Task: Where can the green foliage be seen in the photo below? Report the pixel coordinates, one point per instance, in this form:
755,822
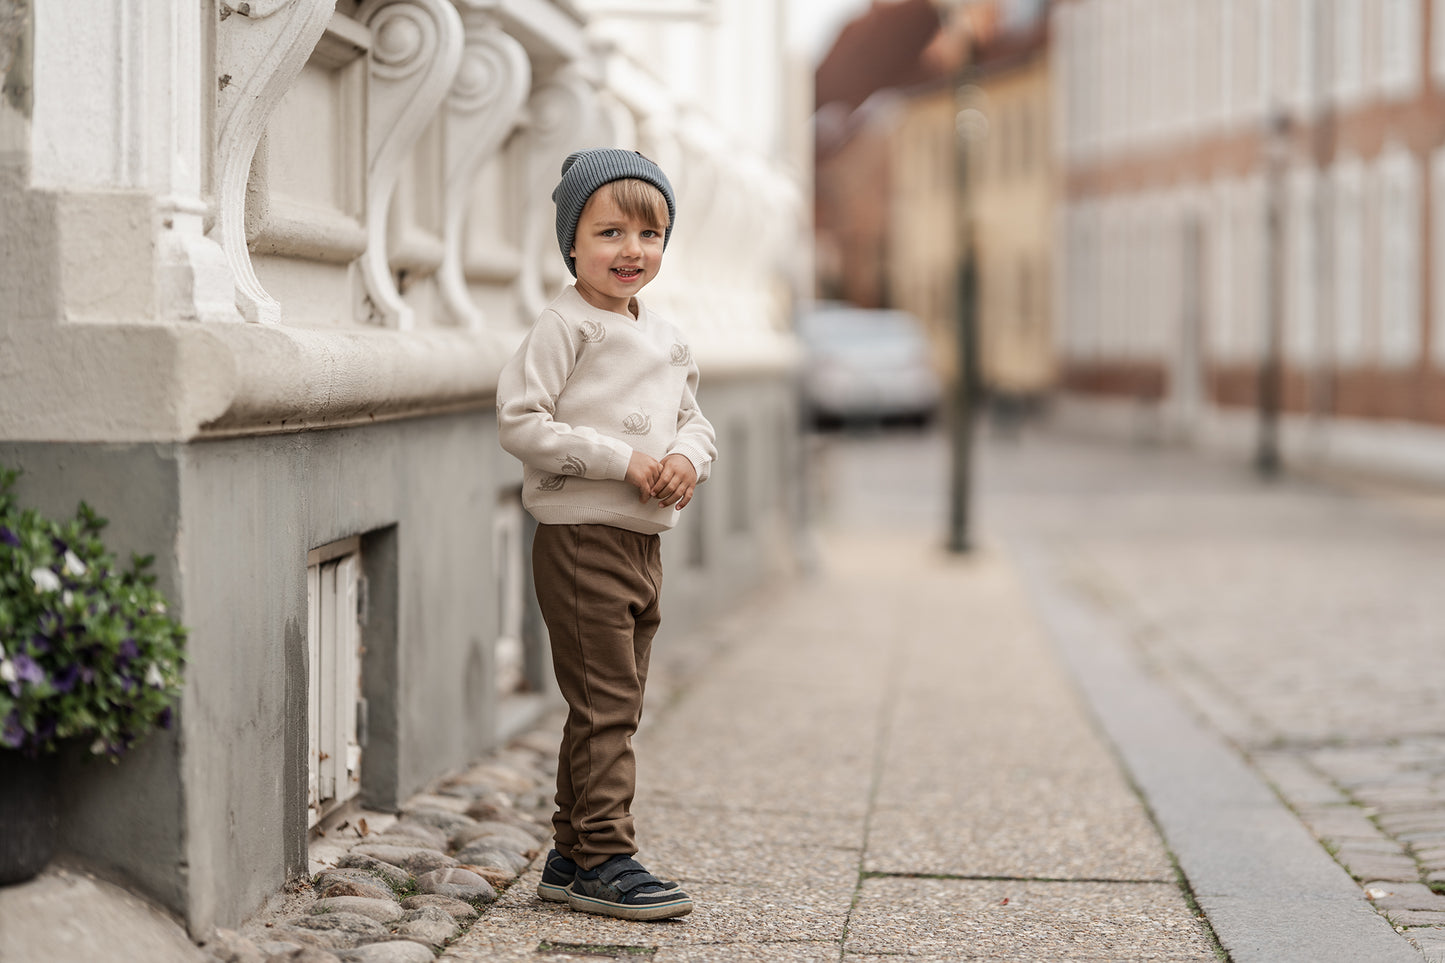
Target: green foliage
87,650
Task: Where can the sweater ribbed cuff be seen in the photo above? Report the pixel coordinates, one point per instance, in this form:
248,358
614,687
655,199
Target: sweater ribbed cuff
700,462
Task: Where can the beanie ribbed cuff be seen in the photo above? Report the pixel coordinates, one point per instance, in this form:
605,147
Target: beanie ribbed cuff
586,170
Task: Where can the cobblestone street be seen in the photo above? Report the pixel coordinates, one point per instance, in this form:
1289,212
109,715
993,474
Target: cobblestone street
1301,618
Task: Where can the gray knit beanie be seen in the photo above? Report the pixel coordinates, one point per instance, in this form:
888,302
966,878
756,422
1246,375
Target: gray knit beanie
586,170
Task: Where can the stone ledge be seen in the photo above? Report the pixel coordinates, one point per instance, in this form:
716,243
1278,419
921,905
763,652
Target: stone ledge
184,381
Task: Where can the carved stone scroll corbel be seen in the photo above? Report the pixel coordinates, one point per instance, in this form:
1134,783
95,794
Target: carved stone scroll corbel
261,47
564,114
488,93
416,48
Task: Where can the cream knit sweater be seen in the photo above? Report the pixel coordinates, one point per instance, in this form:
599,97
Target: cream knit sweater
586,388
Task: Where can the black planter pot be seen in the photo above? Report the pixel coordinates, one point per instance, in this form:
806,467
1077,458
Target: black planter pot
27,815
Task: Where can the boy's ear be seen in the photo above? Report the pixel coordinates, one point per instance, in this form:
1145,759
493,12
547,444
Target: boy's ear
573,252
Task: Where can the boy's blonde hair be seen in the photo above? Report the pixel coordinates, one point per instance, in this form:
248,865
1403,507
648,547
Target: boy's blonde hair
639,200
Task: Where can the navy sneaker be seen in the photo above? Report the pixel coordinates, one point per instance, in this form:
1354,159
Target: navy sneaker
557,874
622,888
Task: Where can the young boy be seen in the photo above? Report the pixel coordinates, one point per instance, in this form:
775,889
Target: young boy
599,403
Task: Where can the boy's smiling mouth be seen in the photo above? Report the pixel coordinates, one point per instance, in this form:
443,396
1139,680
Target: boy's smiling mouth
627,273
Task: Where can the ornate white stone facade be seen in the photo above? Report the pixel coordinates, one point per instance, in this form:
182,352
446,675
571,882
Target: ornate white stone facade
260,263
364,168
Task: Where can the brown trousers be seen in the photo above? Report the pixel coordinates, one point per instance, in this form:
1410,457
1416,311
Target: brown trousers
599,589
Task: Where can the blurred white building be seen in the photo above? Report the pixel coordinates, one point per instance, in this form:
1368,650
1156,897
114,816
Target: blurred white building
260,263
1254,192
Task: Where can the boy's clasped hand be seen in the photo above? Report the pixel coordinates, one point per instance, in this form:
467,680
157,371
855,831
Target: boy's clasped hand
671,481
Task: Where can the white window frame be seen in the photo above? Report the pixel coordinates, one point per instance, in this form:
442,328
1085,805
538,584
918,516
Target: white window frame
1307,82
1437,274
1437,42
1219,339
1062,80
1113,48
1284,53
1061,282
1082,312
1398,48
1302,250
1249,59
1229,81
1347,188
1397,181
1249,211
1114,324
335,707
1164,275
1133,277
1182,116
1348,23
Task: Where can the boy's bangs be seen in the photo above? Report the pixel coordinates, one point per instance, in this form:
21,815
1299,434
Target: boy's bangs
641,201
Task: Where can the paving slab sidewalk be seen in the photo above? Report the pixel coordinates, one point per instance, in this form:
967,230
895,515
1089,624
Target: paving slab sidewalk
884,760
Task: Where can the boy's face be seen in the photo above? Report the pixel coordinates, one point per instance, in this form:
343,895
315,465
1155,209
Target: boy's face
616,255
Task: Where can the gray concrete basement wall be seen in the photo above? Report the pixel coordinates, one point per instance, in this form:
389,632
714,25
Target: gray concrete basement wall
210,820
214,823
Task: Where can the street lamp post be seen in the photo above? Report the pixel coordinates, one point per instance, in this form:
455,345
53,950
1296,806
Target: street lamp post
1271,366
971,126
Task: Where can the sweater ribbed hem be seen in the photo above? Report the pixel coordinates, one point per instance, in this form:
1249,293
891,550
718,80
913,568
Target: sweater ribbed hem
589,515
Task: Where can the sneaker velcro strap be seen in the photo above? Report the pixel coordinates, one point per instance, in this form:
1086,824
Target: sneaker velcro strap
626,875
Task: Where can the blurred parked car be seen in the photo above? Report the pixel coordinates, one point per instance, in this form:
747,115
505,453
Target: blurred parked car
866,365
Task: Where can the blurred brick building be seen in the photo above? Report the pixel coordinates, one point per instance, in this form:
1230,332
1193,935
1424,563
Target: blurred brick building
1254,198
1012,185
892,48
888,168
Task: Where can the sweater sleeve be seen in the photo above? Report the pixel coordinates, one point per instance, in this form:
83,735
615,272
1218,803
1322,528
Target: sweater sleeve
696,440
527,393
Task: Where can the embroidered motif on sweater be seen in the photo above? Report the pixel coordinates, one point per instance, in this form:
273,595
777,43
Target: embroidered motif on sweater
573,467
592,331
637,423
680,355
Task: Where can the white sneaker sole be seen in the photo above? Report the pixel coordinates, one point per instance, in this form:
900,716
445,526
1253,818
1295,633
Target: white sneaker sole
622,911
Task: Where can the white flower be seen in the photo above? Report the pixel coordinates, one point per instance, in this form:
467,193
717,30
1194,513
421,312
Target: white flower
97,748
45,580
66,598
73,565
154,679
159,607
7,671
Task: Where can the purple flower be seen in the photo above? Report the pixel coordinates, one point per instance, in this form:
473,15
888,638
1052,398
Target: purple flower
166,717
65,680
129,650
28,670
12,735
9,537
39,644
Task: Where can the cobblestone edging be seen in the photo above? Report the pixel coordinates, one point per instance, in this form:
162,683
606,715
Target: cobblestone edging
1380,811
1377,805
398,888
